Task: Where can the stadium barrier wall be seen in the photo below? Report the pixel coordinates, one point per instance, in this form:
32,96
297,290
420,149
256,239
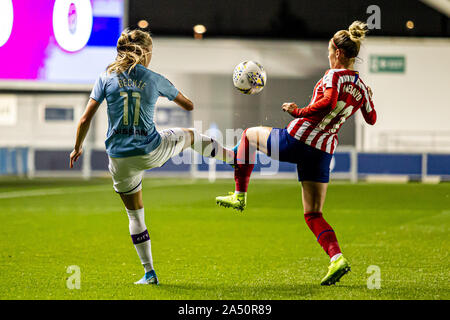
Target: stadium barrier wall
347,164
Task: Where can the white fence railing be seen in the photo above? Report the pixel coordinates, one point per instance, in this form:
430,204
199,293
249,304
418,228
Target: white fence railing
414,141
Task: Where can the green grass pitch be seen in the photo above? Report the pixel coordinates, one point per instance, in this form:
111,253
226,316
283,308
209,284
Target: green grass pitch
202,251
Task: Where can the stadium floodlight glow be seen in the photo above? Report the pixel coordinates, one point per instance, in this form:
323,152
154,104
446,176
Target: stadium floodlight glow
6,20
143,24
72,23
410,24
199,28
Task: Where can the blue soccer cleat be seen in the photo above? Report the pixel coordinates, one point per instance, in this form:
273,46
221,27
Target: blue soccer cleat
149,278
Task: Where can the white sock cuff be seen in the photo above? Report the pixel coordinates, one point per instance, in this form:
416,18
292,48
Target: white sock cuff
335,257
135,213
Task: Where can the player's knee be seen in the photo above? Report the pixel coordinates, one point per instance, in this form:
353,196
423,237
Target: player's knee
246,132
312,207
251,133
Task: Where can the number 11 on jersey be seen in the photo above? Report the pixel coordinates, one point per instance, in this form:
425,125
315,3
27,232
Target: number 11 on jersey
137,107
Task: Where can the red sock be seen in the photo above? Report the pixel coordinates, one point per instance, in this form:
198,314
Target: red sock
244,164
324,232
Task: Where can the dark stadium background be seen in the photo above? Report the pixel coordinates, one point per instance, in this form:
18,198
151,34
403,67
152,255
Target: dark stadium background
291,19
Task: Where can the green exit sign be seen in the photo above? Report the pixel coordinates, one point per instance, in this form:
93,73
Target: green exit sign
395,64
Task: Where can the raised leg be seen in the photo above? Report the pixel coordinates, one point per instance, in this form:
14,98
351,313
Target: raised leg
252,139
207,146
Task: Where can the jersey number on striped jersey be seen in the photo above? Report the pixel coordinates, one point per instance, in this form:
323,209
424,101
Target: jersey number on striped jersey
340,110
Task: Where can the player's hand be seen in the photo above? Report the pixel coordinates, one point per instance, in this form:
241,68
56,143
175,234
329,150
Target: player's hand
370,91
289,107
74,155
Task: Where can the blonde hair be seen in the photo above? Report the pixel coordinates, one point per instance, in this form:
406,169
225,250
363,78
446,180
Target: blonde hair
133,47
349,41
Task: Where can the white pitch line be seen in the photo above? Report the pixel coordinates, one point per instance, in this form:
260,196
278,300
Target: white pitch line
81,189
30,193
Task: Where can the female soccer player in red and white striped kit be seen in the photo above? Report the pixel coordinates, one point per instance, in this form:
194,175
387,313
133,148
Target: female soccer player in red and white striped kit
310,140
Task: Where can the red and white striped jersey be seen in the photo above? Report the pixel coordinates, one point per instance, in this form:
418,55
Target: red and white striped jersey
319,123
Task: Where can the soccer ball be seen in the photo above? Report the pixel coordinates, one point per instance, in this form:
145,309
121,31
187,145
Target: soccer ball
249,77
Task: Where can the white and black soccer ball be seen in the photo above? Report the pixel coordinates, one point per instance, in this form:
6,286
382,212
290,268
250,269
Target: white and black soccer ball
249,77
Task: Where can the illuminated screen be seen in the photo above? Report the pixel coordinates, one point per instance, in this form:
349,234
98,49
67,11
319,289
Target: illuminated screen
69,41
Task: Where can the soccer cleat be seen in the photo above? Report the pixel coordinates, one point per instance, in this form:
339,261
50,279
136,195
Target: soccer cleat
336,270
149,278
236,201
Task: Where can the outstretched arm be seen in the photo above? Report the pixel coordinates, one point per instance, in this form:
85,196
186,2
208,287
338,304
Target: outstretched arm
328,100
184,102
82,129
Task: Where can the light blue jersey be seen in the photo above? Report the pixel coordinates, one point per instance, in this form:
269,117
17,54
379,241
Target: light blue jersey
131,102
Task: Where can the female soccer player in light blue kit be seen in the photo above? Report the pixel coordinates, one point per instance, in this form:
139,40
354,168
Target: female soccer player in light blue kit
133,144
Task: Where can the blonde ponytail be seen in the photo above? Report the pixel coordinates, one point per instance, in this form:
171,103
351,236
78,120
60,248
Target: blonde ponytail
349,41
133,47
357,31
